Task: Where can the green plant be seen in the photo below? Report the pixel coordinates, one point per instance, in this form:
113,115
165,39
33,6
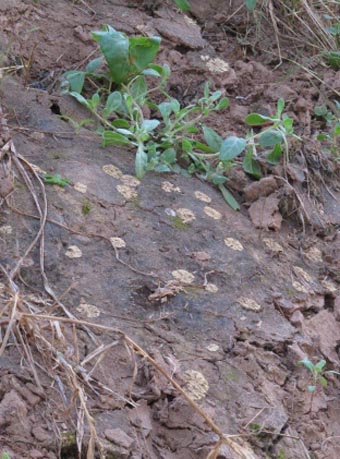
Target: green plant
334,30
56,179
77,125
166,136
125,58
184,5
333,56
332,137
255,428
275,137
322,112
86,208
318,375
5,455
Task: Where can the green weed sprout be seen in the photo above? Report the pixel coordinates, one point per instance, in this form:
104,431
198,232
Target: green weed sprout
318,375
332,137
184,5
56,179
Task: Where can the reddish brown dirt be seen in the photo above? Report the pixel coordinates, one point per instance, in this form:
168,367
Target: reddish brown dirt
272,296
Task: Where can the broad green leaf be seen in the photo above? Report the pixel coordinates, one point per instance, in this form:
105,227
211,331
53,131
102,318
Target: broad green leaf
125,132
336,130
94,65
232,147
115,47
186,111
142,51
334,59
203,147
307,363
138,90
120,123
212,138
151,72
288,124
128,102
175,105
141,161
183,5
113,103
162,168
229,198
322,136
319,366
187,145
215,96
320,110
250,4
80,99
251,166
191,170
113,138
280,107
157,68
275,155
165,109
270,138
94,101
56,179
255,119
218,179
192,130
169,156
166,72
323,381
75,79
311,388
334,29
150,125
222,104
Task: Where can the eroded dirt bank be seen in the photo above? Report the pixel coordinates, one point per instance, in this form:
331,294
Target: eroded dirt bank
225,308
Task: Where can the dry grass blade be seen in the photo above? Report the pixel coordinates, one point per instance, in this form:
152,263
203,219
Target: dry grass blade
241,451
298,22
322,31
83,411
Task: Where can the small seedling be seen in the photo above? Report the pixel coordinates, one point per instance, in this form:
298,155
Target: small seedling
77,125
275,137
333,56
332,137
5,455
255,428
322,112
86,208
334,30
56,179
318,376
